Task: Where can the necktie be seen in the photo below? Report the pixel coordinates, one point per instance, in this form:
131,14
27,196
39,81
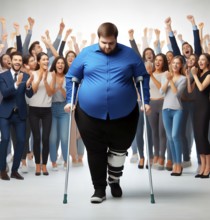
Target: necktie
15,77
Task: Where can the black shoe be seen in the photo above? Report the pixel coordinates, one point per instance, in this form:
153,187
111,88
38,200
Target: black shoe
37,173
141,166
16,175
204,176
177,174
99,196
45,173
198,175
4,175
115,188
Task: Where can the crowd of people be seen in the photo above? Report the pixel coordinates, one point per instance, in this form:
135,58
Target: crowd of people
179,83
46,122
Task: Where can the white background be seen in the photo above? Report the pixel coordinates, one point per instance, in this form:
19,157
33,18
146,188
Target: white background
84,16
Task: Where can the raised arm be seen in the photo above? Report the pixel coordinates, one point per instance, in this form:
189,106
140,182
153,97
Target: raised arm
75,44
92,38
57,41
200,28
63,43
197,42
172,38
180,38
3,36
83,44
157,46
49,45
4,44
18,37
133,42
168,42
26,43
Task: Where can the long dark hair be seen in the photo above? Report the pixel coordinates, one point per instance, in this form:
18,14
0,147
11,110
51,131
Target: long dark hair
53,66
39,56
165,61
144,53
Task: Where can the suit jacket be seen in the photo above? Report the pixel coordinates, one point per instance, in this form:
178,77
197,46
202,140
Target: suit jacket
13,97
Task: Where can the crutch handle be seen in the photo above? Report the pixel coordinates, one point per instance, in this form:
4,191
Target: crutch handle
139,79
76,80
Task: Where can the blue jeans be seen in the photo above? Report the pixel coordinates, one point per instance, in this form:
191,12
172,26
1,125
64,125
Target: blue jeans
59,130
138,142
172,120
80,147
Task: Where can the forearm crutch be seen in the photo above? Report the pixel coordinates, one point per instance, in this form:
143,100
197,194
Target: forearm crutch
74,81
139,80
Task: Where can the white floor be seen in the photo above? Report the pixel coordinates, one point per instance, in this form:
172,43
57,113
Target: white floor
41,197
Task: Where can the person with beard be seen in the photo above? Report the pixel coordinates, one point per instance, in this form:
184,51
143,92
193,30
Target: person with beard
14,85
107,111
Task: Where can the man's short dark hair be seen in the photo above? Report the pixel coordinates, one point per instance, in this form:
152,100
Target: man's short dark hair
16,53
107,29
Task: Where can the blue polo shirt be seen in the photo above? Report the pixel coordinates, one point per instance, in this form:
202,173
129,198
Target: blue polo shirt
107,81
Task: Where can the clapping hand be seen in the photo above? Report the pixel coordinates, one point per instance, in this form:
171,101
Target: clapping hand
30,80
19,79
169,75
194,71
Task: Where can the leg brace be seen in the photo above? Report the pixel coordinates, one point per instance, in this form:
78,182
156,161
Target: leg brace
116,162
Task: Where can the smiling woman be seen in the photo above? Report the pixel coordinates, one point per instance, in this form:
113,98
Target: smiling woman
40,111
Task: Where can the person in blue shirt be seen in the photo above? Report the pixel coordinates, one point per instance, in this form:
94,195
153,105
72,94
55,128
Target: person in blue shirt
107,111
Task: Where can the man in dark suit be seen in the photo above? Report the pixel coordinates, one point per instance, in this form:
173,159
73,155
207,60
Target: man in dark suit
14,85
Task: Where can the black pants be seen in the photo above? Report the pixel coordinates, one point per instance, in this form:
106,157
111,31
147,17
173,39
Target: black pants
43,115
100,135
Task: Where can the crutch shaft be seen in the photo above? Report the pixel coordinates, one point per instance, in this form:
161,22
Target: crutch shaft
139,80
74,81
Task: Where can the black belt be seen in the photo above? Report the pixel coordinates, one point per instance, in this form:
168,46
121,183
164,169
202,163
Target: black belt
15,110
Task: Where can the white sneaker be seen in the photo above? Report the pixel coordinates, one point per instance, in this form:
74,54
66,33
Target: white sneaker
9,158
134,158
31,163
60,160
186,164
55,168
24,169
64,166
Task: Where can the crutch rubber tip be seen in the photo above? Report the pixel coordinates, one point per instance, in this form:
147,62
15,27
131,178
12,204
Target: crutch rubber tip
65,199
152,199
